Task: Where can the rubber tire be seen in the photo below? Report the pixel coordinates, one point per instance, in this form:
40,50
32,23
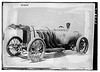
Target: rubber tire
8,44
29,46
77,45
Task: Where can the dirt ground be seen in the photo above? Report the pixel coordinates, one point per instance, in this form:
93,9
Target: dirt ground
55,60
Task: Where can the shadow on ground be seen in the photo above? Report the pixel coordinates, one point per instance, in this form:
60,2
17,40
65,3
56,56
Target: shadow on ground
59,54
52,55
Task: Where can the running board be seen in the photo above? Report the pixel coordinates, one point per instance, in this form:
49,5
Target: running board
54,49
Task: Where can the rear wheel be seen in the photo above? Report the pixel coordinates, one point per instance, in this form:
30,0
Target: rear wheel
36,49
82,45
13,46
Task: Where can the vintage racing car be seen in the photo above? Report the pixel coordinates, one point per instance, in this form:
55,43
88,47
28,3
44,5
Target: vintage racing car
36,41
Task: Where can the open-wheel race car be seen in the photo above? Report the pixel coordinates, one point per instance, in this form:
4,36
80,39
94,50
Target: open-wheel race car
36,41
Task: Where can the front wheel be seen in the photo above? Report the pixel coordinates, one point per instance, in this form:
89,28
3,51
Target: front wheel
13,46
82,45
36,49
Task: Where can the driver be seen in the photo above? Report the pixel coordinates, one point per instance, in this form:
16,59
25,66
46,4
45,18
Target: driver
68,25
